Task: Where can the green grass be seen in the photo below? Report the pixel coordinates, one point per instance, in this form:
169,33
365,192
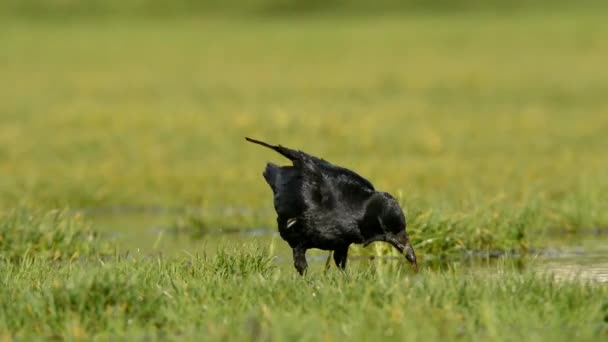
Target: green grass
488,126
55,235
240,294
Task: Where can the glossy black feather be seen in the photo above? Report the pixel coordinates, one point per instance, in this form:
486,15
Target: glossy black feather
321,205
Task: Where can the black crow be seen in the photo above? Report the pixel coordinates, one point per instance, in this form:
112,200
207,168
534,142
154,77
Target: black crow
324,206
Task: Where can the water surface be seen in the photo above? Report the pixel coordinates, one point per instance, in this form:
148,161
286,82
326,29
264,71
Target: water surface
569,257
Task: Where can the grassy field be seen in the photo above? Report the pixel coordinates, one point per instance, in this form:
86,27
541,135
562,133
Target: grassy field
78,291
489,128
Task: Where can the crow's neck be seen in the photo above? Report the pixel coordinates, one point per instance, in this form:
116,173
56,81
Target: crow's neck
369,225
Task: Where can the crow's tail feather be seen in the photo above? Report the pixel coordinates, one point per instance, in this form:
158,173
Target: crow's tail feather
287,152
270,174
259,142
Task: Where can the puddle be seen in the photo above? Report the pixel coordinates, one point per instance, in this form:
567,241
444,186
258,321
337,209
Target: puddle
588,261
150,231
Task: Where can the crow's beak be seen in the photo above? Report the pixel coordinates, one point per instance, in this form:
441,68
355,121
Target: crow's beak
403,244
410,255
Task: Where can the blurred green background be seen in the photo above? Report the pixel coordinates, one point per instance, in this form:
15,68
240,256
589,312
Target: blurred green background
163,8
132,207
482,116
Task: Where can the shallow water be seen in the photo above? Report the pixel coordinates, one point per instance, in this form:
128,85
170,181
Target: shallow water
586,259
567,257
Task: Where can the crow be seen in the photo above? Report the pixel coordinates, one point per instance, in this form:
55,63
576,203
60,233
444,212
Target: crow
328,207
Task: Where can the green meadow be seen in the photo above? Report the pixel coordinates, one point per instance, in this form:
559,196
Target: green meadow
130,201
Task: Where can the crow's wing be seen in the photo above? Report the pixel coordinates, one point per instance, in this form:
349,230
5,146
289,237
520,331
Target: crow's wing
318,191
324,183
286,184
348,186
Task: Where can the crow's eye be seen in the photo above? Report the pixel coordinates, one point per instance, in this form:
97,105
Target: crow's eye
394,222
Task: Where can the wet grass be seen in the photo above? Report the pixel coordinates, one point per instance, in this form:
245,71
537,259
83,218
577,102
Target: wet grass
489,128
55,235
490,137
241,293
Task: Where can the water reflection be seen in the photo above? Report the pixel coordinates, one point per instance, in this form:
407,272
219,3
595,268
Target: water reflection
592,265
571,258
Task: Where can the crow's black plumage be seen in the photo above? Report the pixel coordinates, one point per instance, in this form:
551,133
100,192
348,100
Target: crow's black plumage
324,206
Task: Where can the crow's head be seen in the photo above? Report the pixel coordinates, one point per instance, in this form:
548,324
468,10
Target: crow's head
384,221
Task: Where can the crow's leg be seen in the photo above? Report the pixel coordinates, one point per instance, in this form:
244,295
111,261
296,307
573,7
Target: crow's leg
299,260
328,262
340,256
